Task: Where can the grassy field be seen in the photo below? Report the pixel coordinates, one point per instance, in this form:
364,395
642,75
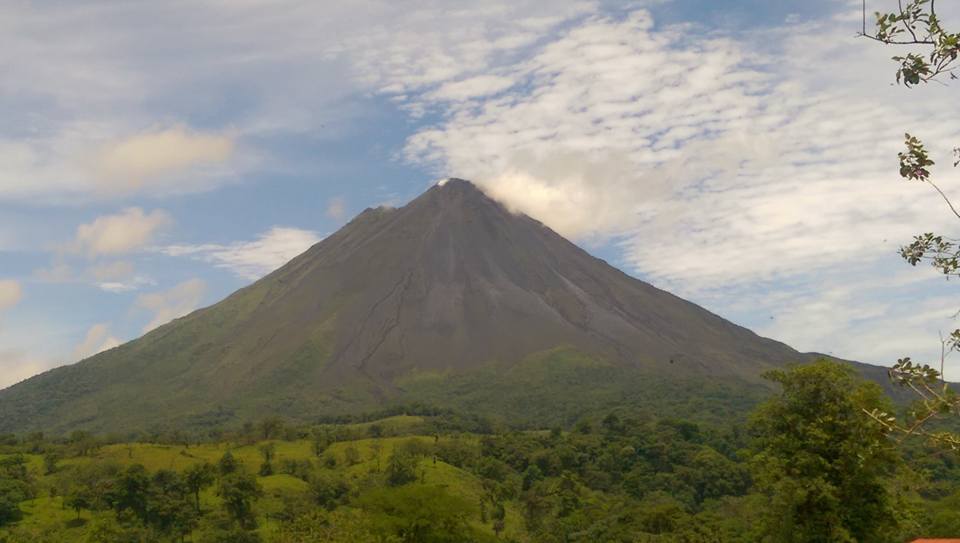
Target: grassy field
369,459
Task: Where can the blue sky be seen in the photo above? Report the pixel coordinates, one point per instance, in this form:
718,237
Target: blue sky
158,156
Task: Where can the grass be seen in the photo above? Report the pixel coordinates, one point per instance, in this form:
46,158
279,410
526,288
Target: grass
399,424
46,511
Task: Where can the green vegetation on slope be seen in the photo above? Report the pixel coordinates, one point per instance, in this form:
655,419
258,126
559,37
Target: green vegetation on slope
555,387
809,456
561,386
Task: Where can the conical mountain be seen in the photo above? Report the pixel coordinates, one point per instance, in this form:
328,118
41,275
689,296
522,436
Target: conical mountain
451,299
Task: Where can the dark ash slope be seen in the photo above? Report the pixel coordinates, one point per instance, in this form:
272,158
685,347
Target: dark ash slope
448,285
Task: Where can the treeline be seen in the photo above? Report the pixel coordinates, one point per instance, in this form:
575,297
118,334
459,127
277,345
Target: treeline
436,420
808,466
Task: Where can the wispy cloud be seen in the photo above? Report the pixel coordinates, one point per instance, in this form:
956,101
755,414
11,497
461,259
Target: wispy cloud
10,293
97,340
752,172
716,163
120,233
142,99
18,365
172,303
57,272
130,163
471,88
337,208
118,276
112,271
251,259
106,237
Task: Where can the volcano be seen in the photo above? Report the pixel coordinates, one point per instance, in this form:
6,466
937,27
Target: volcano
452,300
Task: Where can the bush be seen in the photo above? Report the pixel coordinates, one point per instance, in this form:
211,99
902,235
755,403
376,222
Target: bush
301,469
421,513
328,490
12,492
401,468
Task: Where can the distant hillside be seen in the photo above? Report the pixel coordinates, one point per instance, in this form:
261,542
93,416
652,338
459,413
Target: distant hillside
451,299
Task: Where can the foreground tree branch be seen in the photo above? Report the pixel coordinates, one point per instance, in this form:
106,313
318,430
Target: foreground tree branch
916,24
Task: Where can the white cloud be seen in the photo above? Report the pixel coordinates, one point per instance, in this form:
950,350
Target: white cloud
17,365
79,162
118,276
856,311
413,51
97,340
724,167
474,87
93,85
336,209
112,271
121,233
727,167
624,129
10,293
129,285
139,159
559,189
252,259
58,272
173,303
112,276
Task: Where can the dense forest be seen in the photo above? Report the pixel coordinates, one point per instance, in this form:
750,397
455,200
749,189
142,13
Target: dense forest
808,464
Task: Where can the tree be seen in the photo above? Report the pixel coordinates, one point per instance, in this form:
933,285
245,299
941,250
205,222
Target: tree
531,476
917,24
170,508
238,490
109,528
219,527
499,518
712,475
661,513
936,398
12,492
131,491
612,424
83,442
320,442
401,468
351,455
227,464
267,451
536,506
198,477
14,467
376,448
420,514
340,526
820,460
50,460
271,428
79,499
91,486
328,490
16,485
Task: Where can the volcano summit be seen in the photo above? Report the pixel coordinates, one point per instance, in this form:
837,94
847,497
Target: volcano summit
452,300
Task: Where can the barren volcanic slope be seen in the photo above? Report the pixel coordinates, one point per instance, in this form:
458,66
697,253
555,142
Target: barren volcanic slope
451,300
